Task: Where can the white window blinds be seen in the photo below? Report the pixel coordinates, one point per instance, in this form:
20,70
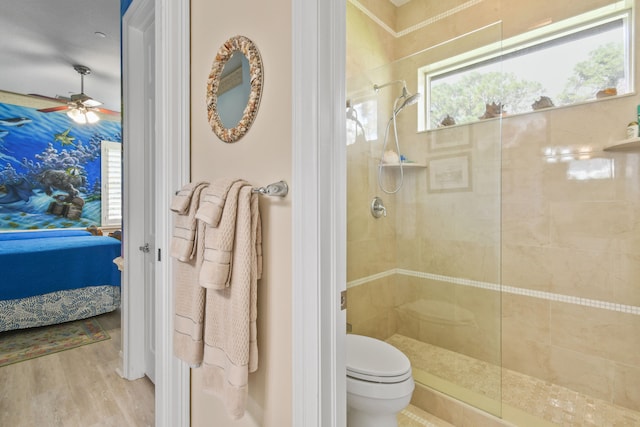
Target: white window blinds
111,177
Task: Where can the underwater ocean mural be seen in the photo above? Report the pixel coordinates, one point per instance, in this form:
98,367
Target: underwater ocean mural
50,169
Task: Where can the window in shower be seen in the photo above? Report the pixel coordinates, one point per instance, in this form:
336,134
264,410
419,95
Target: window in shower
559,64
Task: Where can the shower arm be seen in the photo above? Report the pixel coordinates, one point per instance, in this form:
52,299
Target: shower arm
404,85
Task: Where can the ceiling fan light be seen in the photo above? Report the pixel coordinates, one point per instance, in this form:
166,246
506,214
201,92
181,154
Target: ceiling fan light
77,116
92,117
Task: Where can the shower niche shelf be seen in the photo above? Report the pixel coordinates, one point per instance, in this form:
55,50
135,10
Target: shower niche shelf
404,165
632,144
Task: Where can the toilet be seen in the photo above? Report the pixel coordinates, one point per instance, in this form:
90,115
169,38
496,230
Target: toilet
379,382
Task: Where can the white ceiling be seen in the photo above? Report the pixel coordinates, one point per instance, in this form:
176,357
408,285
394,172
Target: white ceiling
43,39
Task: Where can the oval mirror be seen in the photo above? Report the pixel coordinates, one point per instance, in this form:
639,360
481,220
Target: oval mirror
234,88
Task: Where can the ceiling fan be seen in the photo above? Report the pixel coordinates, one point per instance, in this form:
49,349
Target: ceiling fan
80,107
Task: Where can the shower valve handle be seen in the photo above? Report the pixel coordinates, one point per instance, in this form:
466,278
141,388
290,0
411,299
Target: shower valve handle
377,208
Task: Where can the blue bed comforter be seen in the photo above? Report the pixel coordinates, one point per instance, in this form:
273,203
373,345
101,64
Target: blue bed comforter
44,264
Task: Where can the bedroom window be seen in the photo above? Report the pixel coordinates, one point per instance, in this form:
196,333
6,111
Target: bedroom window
564,63
111,177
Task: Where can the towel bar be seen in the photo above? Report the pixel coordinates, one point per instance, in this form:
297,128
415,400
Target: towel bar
277,189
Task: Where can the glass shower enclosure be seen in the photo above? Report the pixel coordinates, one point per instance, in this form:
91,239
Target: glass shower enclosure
425,276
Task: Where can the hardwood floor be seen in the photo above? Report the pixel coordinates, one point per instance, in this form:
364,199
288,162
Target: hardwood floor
76,388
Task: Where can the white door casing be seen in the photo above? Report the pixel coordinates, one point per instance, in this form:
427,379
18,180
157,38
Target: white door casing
137,21
319,213
153,251
171,18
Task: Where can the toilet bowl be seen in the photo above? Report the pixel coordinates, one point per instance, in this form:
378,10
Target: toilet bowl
379,382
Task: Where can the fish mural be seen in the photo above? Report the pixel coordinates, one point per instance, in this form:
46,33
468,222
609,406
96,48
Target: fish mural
50,169
15,121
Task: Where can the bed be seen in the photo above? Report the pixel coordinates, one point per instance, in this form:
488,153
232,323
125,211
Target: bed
49,277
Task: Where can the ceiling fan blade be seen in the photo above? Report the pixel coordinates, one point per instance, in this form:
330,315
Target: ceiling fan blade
56,99
52,109
105,111
90,102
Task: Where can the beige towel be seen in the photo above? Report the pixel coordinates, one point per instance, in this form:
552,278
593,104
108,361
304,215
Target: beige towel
213,199
219,242
183,242
180,202
230,333
189,305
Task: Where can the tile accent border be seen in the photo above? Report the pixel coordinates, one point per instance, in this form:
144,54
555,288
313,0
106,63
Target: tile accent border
568,299
417,26
417,418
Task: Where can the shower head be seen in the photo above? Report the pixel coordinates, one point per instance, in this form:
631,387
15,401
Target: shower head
406,96
408,100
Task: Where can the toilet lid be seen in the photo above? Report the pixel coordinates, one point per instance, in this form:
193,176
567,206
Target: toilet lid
373,360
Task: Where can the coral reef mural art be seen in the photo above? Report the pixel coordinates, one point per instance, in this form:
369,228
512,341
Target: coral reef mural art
50,169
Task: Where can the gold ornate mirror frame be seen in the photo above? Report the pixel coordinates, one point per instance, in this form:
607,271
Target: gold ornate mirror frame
250,51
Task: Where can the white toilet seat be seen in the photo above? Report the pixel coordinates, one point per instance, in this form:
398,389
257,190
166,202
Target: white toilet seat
372,360
378,378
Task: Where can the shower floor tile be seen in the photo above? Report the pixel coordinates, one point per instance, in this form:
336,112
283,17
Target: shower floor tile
413,416
535,397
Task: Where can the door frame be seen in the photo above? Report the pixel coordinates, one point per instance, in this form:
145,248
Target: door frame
319,213
138,17
171,18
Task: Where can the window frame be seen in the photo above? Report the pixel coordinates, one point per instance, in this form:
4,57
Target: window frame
106,148
623,9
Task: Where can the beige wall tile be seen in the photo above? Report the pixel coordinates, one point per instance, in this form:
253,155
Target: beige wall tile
524,318
372,307
358,304
626,274
407,324
525,267
526,223
525,335
467,21
461,259
409,254
627,391
526,356
525,15
371,48
581,372
368,257
596,332
594,225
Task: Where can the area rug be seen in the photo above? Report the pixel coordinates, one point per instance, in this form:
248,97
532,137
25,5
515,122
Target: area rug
21,345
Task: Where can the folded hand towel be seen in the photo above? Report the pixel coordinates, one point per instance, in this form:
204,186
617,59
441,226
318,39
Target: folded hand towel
213,199
180,202
184,230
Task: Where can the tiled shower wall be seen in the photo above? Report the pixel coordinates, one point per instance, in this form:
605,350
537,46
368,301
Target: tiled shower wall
566,250
573,237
